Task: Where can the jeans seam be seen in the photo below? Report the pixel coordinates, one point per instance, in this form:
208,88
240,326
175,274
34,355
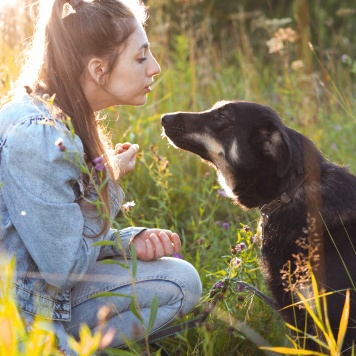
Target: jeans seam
181,285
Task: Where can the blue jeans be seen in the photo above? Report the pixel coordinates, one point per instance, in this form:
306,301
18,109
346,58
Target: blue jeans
174,281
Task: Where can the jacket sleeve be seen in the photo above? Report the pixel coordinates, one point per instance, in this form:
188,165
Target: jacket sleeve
125,236
38,192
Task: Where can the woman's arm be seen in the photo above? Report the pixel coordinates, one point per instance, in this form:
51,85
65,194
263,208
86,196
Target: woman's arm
38,192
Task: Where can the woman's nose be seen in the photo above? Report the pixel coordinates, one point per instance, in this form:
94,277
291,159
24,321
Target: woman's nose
154,68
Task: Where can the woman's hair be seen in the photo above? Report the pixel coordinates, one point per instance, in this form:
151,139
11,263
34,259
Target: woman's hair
75,32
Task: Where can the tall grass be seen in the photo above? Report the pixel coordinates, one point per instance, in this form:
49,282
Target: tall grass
312,88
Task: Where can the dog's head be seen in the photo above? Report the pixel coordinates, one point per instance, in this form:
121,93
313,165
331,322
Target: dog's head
246,142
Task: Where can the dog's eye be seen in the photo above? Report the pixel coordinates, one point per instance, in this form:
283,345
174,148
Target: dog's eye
221,115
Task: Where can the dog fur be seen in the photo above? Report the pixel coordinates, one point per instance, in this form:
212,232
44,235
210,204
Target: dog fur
259,162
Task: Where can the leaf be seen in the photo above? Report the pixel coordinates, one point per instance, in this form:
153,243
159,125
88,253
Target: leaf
135,311
104,243
153,314
344,321
134,260
114,262
289,351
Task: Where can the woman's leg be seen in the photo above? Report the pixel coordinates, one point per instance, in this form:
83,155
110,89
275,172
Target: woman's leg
175,283
51,326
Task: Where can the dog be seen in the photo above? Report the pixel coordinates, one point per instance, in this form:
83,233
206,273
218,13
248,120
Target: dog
307,203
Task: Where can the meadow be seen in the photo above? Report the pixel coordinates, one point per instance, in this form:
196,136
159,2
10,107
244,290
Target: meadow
303,67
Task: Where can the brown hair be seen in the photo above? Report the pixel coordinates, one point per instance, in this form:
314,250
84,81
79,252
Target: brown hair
72,36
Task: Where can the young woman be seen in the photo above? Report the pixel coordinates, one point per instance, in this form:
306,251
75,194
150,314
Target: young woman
90,55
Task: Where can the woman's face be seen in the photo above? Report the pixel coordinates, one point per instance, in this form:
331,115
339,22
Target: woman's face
132,76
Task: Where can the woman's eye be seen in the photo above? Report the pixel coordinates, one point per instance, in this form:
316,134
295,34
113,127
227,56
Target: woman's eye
141,60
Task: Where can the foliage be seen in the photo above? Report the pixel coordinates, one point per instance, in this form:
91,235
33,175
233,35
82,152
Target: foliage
212,50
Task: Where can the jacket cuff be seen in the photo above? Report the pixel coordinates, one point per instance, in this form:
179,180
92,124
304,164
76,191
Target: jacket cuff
126,237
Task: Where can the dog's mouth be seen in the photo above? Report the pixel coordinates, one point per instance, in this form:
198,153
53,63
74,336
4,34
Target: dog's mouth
179,139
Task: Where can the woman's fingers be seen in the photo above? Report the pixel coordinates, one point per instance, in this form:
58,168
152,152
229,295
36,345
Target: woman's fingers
150,251
158,246
166,243
176,243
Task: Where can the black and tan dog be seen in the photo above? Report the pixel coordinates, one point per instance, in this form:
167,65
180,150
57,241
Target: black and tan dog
308,204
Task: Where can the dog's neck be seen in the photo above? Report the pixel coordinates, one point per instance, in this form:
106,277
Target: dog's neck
268,209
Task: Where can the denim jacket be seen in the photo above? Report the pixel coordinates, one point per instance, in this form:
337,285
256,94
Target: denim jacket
41,223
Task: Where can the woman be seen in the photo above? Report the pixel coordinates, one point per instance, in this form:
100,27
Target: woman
95,54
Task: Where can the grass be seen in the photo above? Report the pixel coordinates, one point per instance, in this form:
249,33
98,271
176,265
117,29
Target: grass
174,189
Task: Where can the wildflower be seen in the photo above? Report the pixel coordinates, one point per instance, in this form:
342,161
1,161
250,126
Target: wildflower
235,261
282,35
218,285
241,246
60,144
177,255
286,34
128,206
98,164
254,239
233,250
221,193
246,228
345,58
297,65
240,287
201,241
225,225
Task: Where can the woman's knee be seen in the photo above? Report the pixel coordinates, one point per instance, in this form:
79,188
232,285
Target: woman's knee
187,277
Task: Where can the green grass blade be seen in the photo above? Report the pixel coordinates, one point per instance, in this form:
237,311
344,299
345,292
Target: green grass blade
153,314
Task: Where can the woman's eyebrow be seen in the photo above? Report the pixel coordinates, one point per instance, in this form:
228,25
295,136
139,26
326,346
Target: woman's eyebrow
145,46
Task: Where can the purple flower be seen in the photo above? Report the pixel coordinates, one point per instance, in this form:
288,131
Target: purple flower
236,261
221,193
218,285
60,144
177,255
226,225
344,58
246,228
241,246
98,164
254,239
240,287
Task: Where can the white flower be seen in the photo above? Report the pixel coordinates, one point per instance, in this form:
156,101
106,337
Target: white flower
128,206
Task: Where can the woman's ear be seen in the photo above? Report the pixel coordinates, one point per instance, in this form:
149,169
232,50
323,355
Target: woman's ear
96,69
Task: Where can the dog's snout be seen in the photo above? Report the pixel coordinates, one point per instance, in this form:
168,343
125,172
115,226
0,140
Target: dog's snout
166,119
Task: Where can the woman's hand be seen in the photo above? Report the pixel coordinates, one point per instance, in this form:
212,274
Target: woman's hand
151,244
125,158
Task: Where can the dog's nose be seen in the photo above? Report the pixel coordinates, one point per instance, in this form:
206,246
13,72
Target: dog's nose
166,119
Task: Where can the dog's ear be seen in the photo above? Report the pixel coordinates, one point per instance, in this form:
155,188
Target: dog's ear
272,142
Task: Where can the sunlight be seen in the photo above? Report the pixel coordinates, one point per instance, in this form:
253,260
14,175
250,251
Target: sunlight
3,3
